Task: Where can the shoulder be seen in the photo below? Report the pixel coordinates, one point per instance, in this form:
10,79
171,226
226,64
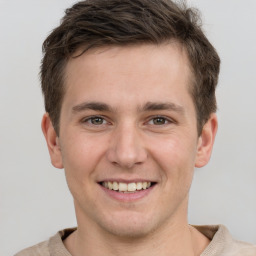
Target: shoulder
53,246
41,249
222,243
242,248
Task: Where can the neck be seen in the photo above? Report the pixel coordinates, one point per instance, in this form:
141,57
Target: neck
175,239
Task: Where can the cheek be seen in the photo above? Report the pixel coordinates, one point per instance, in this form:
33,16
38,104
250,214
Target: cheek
176,159
174,153
81,156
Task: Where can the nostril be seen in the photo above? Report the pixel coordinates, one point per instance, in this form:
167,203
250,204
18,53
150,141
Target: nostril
115,163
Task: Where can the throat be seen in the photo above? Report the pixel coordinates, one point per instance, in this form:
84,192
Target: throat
189,242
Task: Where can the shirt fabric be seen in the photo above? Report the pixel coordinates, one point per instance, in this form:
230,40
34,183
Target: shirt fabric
222,244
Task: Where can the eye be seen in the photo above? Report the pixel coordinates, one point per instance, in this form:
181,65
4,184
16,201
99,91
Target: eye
95,120
159,120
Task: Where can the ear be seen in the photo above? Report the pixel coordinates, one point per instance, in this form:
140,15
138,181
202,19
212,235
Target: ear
206,141
52,141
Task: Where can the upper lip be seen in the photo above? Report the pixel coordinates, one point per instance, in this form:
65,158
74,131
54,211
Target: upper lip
126,180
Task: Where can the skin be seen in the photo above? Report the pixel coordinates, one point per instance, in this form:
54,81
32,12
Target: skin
145,130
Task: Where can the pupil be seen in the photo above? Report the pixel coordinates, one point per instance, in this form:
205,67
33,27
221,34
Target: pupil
97,120
159,120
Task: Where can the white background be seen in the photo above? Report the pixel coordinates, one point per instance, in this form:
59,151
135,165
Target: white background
34,199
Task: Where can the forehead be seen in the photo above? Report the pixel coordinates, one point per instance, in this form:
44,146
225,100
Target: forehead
142,72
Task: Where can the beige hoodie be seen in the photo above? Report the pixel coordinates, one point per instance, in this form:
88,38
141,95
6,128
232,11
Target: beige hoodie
222,244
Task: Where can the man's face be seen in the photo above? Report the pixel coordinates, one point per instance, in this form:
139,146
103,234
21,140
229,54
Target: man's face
128,121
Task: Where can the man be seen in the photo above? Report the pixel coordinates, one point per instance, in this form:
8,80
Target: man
129,90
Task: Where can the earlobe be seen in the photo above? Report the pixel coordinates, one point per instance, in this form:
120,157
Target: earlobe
206,141
52,141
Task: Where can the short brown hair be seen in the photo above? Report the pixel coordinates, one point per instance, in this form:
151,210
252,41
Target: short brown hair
96,23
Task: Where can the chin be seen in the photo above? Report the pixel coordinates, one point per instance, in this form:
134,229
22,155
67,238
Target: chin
126,227
128,231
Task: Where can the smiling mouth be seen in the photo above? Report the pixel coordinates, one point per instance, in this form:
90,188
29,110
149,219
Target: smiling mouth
127,187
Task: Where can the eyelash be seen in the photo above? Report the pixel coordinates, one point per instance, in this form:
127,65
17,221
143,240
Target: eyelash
91,118
166,120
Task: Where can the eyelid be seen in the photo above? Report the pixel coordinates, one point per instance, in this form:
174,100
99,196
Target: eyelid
86,119
168,119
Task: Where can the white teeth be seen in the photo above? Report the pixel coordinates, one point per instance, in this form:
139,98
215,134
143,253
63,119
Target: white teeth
126,187
115,185
110,185
122,187
139,185
132,187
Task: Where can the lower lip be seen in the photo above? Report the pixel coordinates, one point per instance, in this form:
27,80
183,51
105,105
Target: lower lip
127,197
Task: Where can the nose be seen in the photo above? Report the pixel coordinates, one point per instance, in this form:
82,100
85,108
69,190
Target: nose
126,147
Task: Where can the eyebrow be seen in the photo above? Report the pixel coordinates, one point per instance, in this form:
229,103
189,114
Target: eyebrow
154,106
97,106
149,106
